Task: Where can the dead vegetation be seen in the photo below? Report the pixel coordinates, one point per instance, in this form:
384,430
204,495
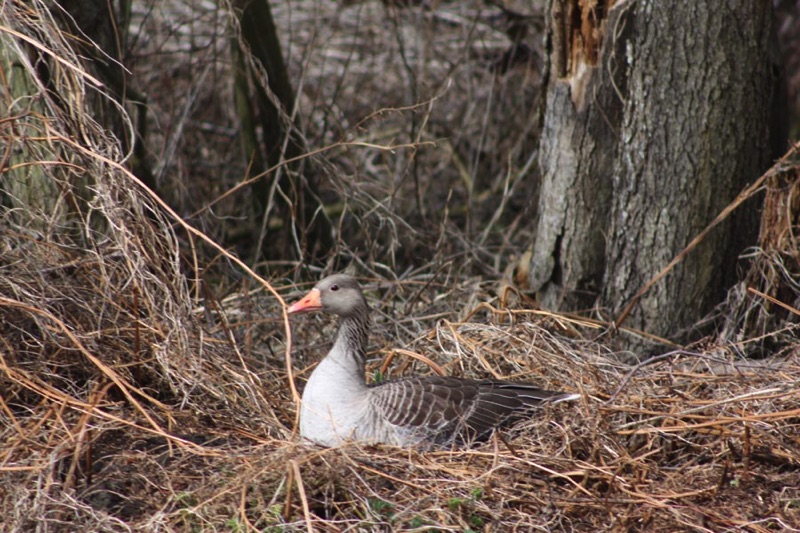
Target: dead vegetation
132,399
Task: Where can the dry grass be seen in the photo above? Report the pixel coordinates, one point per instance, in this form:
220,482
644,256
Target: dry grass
699,441
133,400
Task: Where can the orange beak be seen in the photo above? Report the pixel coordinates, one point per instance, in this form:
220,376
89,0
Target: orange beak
309,302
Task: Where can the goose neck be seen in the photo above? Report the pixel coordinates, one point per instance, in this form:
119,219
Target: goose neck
351,340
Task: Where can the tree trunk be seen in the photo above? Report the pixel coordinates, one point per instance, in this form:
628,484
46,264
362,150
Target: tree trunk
59,195
657,116
274,98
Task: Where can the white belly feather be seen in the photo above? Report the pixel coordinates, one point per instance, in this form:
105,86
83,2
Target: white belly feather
335,404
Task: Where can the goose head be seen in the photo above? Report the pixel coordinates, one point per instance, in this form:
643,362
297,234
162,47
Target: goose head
338,294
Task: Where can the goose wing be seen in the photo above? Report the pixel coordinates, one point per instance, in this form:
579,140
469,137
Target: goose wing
448,409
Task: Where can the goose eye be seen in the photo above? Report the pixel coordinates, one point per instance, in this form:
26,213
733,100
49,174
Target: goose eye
334,288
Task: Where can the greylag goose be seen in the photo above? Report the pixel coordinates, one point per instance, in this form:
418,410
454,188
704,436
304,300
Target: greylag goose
338,405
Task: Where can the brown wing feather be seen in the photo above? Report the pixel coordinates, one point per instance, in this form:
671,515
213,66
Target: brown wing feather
448,409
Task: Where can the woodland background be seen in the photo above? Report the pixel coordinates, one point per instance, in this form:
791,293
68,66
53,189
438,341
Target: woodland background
172,172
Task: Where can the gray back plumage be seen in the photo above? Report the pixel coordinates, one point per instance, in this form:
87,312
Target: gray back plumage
450,410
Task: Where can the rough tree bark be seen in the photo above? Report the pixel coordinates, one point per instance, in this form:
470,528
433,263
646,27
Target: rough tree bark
657,115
